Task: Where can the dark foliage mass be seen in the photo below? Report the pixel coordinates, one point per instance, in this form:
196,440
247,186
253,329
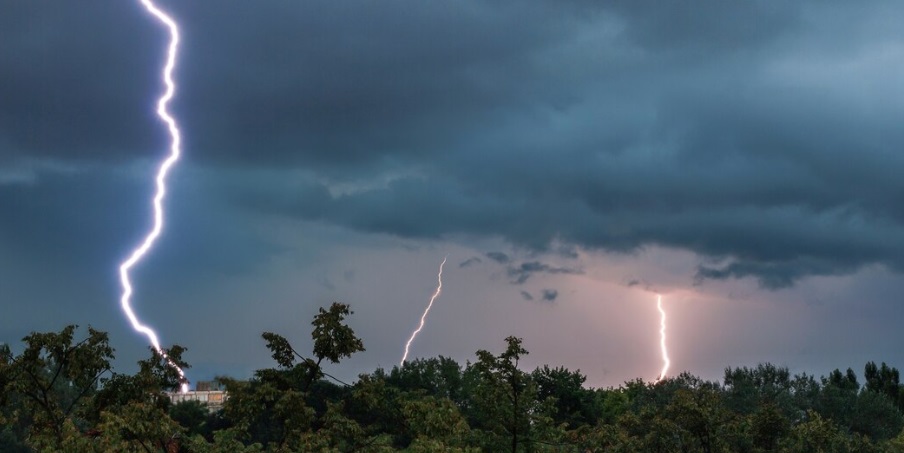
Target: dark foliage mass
60,394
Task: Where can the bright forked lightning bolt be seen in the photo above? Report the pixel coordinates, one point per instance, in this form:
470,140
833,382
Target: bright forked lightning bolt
175,151
439,289
665,353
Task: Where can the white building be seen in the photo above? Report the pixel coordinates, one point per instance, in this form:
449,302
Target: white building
213,399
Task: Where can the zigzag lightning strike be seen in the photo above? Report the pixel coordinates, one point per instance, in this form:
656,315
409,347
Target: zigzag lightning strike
424,316
175,152
665,353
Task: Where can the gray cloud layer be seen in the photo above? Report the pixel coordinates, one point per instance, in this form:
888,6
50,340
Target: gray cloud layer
766,136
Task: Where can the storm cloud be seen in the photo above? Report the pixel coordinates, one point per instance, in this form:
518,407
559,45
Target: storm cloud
550,295
520,273
764,137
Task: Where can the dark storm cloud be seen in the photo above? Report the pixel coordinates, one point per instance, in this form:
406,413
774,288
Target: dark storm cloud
546,295
772,276
470,262
522,272
708,25
65,218
80,223
75,80
498,257
765,136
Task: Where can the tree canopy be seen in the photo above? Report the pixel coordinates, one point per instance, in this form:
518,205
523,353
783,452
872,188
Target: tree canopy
60,393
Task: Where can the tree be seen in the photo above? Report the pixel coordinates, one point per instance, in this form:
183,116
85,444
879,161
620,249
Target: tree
192,416
805,393
505,397
377,407
435,420
272,408
816,435
155,377
66,403
768,425
610,403
846,381
698,410
136,427
838,398
876,416
573,403
130,412
333,340
746,389
6,374
885,380
680,413
440,377
13,433
53,379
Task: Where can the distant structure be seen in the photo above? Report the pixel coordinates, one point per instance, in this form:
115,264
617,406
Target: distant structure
208,393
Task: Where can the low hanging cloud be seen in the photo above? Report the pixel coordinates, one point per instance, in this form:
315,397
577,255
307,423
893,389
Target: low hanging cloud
519,274
770,275
546,295
633,282
550,295
498,257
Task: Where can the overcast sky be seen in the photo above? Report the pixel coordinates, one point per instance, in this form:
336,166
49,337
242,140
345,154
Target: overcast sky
572,160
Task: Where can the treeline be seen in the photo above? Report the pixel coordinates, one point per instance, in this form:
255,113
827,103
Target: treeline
60,394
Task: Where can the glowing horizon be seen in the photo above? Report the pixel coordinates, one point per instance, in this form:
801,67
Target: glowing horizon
175,153
424,316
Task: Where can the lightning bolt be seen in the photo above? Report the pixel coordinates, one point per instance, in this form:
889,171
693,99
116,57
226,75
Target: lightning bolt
665,353
175,152
424,316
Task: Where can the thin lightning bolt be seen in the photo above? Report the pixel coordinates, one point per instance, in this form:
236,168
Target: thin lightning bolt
439,289
665,353
175,152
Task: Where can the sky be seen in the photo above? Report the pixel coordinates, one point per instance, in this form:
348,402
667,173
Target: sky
572,159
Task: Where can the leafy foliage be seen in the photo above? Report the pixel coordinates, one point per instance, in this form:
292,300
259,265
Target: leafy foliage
60,394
